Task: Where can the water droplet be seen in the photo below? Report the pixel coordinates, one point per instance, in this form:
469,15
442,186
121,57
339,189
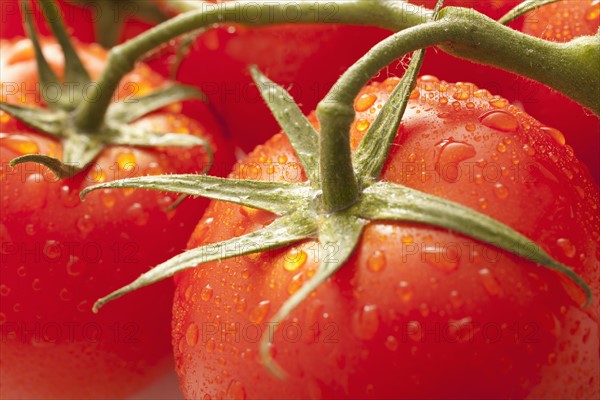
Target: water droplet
404,291
235,391
36,285
567,247
498,102
211,345
22,271
364,102
362,125
501,147
294,259
295,283
20,144
68,197
490,283
258,313
391,343
460,95
445,258
500,191
593,12
414,331
191,334
555,134
4,290
449,155
85,224
456,299
206,293
138,215
500,121
376,261
108,197
365,322
65,295
52,250
126,160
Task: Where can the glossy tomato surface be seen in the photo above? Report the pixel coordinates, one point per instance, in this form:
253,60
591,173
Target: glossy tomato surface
59,255
417,312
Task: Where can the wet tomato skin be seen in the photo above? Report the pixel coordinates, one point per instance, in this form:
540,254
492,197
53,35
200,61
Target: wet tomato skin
417,312
59,255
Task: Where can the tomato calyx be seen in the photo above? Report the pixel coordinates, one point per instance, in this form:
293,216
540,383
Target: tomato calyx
305,214
81,146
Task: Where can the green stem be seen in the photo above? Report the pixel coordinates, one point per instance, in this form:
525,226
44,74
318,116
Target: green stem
388,14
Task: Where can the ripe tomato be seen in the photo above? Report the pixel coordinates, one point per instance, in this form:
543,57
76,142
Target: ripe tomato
80,18
416,312
561,22
59,254
307,59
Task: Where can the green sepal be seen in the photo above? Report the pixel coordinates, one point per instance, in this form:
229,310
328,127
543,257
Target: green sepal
74,69
342,231
277,197
374,148
130,110
302,135
392,202
46,75
283,231
522,9
51,122
60,169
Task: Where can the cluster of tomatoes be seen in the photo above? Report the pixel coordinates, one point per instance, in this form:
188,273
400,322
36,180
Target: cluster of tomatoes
416,312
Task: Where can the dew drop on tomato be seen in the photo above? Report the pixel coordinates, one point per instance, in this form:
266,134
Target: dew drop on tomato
376,261
567,247
20,144
364,102
191,334
391,343
108,197
593,12
258,313
456,299
210,345
490,283
206,293
500,191
362,125
138,215
294,259
36,285
69,198
85,224
65,294
4,290
236,391
295,283
555,134
500,120
365,322
445,258
450,154
404,291
73,266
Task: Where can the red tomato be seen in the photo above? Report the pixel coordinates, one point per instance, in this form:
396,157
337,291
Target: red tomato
560,21
79,18
416,312
307,59
59,254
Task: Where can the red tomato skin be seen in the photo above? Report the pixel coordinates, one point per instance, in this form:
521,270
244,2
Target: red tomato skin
561,22
60,255
417,312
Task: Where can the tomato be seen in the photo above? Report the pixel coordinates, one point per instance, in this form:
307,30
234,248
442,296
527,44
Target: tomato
306,58
417,311
59,254
560,21
80,18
